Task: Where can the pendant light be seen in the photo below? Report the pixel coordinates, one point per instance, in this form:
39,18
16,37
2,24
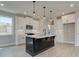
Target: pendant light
34,8
44,17
50,14
51,21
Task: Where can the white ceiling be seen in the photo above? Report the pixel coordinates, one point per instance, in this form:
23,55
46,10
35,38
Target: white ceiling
58,7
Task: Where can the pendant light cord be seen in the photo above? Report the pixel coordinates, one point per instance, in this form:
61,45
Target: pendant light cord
44,11
50,14
34,6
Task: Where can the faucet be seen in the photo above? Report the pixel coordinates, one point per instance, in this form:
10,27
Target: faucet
44,31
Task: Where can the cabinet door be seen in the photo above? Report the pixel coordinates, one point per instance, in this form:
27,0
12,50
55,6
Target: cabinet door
29,44
44,42
49,41
38,44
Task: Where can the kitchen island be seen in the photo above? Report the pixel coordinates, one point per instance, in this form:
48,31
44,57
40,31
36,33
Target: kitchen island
38,43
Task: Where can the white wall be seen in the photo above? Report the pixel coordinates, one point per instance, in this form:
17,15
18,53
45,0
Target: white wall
21,23
59,30
44,25
68,19
77,29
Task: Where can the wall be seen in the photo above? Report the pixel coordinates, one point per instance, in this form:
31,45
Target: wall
59,30
44,25
68,18
77,29
21,23
8,39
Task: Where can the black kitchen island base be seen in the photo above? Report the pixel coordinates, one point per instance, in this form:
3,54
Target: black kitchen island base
35,46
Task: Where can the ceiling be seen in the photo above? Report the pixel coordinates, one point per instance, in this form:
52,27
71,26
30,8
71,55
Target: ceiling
58,7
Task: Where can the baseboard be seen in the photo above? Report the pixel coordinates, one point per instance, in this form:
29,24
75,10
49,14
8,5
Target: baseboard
65,42
7,45
59,42
69,42
76,45
21,44
10,44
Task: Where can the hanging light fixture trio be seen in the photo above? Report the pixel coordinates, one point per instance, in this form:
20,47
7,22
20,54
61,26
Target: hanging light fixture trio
44,16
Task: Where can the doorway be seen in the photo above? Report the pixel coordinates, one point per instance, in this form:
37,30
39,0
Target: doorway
69,33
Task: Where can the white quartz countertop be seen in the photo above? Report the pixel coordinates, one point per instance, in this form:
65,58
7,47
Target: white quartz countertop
40,36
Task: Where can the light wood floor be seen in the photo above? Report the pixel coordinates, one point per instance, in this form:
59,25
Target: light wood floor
59,50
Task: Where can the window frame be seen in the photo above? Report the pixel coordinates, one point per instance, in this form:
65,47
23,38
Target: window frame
11,27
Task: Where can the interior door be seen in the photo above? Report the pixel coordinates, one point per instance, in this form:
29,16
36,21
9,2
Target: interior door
69,33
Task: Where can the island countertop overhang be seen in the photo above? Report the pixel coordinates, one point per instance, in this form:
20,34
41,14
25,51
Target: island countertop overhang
40,36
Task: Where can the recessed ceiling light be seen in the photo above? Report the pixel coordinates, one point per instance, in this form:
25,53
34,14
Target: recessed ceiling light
71,5
1,4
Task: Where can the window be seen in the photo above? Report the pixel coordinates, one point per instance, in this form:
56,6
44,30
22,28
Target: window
5,25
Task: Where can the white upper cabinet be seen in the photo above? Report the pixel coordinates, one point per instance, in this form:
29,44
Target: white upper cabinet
68,19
